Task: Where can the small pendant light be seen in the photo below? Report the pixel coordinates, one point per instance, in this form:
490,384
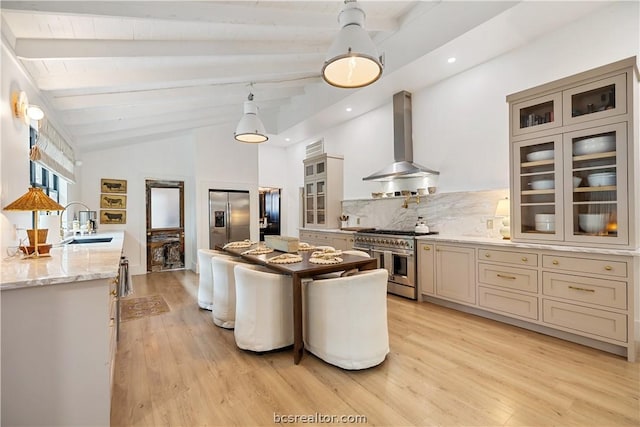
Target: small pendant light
352,60
250,128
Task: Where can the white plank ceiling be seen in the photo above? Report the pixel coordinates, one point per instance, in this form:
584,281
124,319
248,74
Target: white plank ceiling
122,72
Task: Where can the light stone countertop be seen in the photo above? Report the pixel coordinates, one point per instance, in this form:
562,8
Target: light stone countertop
327,230
67,263
495,241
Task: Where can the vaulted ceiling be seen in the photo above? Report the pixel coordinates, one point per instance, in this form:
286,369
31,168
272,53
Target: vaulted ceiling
122,72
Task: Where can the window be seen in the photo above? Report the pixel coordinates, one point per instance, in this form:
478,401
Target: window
40,176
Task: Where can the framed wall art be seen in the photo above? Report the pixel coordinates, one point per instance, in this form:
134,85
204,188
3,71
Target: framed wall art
113,217
113,201
108,185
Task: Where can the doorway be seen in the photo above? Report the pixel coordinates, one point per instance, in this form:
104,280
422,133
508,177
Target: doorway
165,225
269,202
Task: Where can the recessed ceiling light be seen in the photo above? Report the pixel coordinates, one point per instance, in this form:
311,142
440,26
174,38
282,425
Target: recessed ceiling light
348,109
451,60
287,139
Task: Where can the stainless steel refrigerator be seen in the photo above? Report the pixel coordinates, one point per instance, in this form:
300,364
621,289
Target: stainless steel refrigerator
229,216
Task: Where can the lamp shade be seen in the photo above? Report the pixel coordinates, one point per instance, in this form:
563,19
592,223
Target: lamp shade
352,60
503,209
250,128
34,200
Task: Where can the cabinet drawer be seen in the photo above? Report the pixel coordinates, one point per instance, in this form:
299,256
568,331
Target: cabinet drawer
521,279
582,265
608,293
508,302
585,320
517,258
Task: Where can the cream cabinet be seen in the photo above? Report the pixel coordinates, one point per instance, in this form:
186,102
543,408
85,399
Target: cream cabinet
426,268
585,296
455,273
323,190
574,168
338,239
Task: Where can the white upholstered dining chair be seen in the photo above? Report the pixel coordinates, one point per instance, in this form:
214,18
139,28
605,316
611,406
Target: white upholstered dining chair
345,319
264,314
205,281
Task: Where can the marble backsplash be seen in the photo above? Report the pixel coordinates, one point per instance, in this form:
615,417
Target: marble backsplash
461,213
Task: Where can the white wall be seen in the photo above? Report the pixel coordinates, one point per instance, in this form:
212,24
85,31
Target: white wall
460,125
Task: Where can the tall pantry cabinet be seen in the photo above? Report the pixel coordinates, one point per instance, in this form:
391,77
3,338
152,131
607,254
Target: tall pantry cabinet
323,190
575,159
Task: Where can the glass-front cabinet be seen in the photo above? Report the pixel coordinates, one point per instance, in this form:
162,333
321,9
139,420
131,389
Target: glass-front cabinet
323,182
572,187
574,167
537,114
538,179
595,160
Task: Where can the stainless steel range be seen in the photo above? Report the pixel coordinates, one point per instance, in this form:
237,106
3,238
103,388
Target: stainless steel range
396,252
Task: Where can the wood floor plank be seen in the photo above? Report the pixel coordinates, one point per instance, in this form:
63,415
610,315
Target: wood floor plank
444,368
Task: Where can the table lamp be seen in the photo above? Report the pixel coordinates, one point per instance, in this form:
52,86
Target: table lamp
35,200
503,210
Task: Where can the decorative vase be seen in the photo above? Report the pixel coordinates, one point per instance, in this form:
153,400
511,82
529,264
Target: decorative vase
42,237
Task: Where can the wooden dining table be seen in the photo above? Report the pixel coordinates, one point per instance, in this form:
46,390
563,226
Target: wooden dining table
302,270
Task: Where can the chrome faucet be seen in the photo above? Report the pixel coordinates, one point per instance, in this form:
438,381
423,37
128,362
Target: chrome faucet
63,211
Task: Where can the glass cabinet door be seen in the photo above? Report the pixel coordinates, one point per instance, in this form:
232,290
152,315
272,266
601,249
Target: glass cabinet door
321,196
599,99
537,114
309,170
538,189
310,209
596,164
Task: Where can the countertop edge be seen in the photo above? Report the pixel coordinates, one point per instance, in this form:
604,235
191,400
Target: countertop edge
495,241
67,264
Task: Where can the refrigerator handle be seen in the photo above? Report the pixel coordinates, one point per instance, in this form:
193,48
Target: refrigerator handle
228,214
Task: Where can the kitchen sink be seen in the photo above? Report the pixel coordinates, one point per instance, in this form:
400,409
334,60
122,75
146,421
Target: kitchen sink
82,240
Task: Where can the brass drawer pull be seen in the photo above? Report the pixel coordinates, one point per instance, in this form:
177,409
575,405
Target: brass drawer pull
608,267
487,255
427,248
524,259
581,289
555,262
504,276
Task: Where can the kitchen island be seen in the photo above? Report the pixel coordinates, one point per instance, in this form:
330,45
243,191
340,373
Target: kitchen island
59,334
582,294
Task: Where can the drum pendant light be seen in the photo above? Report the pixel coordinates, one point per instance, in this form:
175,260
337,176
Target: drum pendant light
352,60
250,128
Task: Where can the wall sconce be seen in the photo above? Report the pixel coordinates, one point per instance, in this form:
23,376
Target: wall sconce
503,210
22,110
352,60
250,127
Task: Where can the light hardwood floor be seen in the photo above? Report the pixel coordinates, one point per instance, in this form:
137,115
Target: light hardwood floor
445,368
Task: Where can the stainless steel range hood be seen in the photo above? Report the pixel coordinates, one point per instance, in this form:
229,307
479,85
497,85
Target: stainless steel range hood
403,167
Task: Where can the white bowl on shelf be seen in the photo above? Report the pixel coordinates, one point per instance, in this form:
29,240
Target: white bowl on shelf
598,144
601,179
546,226
593,223
536,156
576,181
545,218
543,184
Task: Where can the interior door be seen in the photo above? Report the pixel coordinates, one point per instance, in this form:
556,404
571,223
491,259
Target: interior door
165,225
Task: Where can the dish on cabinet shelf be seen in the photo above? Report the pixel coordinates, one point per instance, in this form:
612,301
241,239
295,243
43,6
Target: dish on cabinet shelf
598,144
543,184
602,179
537,156
593,223
576,181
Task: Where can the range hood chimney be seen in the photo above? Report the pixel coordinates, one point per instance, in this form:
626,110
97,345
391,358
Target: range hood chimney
403,167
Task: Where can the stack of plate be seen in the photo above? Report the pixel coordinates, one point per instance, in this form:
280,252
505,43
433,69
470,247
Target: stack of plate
545,222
